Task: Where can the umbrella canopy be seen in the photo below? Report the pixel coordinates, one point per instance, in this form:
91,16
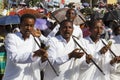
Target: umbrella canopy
41,24
95,15
29,11
7,20
114,15
85,4
40,10
12,13
60,15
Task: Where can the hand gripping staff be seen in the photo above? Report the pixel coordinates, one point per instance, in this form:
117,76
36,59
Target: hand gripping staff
87,54
109,44
47,59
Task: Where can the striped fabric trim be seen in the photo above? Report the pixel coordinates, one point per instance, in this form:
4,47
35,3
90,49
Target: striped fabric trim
2,62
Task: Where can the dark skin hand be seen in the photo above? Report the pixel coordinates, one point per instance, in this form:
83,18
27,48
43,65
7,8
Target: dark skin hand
102,51
41,53
36,32
106,48
115,60
44,57
75,54
88,58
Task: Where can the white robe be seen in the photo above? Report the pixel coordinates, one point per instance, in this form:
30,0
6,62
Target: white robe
58,55
115,71
90,71
20,63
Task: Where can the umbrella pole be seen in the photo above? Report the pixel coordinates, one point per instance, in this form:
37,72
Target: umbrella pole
91,1
11,27
83,20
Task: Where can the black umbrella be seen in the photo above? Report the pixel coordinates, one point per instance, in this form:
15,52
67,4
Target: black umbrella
96,15
112,15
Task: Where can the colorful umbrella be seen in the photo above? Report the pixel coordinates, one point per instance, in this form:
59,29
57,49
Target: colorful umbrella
30,11
85,4
12,13
7,20
41,24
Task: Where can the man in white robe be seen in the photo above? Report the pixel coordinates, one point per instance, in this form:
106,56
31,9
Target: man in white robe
98,52
62,53
24,56
70,15
115,71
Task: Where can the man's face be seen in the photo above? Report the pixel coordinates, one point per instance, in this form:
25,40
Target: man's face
97,30
66,30
71,15
26,26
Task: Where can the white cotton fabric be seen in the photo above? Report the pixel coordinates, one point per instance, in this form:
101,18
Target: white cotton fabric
90,71
20,62
115,72
58,55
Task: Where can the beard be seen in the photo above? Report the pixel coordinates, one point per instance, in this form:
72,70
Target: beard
26,34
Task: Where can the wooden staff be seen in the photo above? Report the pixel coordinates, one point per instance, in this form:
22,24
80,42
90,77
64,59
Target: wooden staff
87,54
47,58
109,43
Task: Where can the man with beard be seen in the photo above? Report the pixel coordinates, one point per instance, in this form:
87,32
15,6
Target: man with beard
24,56
98,52
64,54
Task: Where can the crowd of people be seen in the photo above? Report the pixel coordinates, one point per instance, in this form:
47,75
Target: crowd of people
65,53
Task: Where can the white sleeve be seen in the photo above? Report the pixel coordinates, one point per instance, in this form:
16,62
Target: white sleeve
62,59
52,53
43,39
15,54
